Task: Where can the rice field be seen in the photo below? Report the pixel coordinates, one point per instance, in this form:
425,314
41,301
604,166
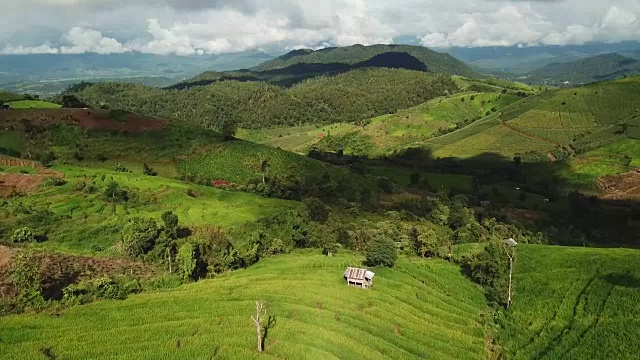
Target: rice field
574,303
419,310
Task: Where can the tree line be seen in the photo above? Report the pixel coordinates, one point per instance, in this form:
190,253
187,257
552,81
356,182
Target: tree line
349,97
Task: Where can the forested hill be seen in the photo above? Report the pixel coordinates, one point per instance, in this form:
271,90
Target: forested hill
593,69
350,97
299,65
435,62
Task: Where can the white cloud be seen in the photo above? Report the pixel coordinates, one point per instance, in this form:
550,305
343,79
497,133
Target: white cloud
573,34
24,50
508,25
83,40
188,27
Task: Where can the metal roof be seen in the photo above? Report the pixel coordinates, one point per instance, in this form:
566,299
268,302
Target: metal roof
355,273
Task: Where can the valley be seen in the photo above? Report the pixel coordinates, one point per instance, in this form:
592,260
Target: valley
143,222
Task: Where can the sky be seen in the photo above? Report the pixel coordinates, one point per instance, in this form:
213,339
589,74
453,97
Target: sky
192,27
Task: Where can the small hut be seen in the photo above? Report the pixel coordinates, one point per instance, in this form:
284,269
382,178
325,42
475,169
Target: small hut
359,277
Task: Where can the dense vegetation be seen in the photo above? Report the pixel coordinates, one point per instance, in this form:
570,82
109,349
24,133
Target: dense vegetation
350,97
435,62
300,65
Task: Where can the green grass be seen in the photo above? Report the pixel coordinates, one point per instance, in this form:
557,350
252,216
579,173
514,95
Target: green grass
574,303
386,133
33,104
421,309
93,222
585,118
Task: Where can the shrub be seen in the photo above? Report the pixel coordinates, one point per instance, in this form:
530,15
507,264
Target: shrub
54,181
139,236
23,235
121,168
187,261
25,275
381,252
148,170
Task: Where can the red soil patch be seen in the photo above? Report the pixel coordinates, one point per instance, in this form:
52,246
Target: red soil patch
86,118
221,183
23,183
621,187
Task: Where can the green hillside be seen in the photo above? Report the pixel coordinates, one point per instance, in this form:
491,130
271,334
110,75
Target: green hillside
299,65
598,68
82,220
381,135
416,311
435,62
104,139
349,97
551,125
573,303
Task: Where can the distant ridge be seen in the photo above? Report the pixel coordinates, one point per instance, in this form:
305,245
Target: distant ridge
298,65
597,68
436,62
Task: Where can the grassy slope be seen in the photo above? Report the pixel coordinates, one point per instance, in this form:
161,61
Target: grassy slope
33,104
542,123
388,132
177,150
421,309
574,303
95,223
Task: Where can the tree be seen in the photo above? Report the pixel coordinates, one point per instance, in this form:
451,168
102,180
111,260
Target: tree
23,235
317,210
381,251
261,314
187,261
170,221
264,164
25,275
113,193
490,269
427,243
139,236
228,128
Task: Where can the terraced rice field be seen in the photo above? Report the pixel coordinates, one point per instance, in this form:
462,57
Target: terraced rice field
574,303
420,310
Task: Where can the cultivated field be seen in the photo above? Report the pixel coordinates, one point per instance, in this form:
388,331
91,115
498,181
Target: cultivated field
574,303
421,309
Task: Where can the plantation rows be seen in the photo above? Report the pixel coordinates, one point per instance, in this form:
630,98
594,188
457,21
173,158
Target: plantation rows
574,303
416,311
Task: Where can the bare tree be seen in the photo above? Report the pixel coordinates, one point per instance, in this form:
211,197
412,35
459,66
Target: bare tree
261,314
